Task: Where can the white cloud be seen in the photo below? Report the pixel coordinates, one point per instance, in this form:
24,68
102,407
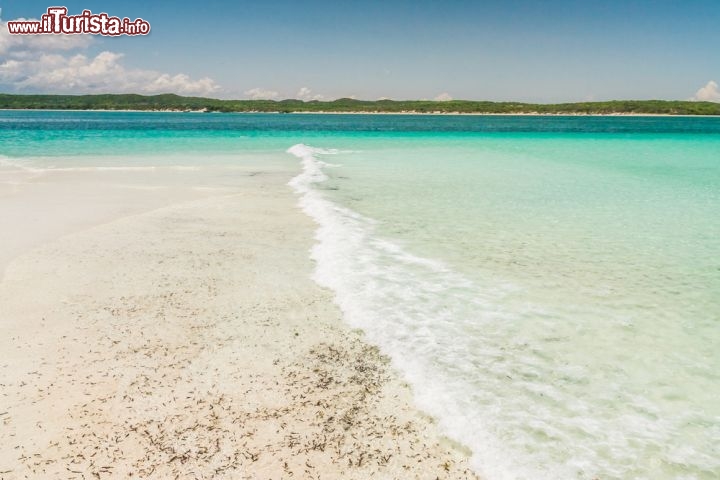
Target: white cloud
261,94
50,63
443,97
305,94
103,73
182,84
16,44
708,93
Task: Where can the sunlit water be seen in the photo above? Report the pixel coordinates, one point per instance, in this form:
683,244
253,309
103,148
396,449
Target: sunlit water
549,286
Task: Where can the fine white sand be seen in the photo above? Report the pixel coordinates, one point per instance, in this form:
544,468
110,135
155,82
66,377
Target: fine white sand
164,325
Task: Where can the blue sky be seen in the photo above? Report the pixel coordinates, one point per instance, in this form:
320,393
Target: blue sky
544,51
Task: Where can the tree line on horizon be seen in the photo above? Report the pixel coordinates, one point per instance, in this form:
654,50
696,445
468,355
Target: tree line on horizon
179,103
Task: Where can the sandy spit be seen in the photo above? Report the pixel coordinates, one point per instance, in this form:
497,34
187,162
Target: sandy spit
190,342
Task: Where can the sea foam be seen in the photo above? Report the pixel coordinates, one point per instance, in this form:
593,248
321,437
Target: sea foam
402,302
481,365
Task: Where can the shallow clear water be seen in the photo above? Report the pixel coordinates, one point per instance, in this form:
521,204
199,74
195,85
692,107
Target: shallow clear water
549,285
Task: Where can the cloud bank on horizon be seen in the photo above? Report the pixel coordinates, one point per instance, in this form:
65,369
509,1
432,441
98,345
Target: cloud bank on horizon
55,64
709,93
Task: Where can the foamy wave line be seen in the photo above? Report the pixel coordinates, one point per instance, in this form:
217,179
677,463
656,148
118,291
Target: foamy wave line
479,362
400,300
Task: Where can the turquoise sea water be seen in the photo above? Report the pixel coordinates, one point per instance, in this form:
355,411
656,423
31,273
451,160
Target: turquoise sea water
550,286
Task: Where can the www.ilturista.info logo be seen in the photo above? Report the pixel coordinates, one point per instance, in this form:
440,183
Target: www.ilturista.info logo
57,21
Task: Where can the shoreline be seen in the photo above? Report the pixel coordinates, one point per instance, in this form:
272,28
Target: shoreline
478,114
135,350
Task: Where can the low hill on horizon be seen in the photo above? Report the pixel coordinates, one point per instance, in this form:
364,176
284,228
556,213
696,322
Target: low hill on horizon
179,103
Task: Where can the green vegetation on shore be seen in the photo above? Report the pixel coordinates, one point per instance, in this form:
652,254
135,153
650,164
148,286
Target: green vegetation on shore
176,102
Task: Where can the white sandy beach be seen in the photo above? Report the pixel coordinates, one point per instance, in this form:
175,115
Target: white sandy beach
163,324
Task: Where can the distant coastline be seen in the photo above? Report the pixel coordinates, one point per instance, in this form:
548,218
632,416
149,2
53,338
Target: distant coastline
449,114
176,103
